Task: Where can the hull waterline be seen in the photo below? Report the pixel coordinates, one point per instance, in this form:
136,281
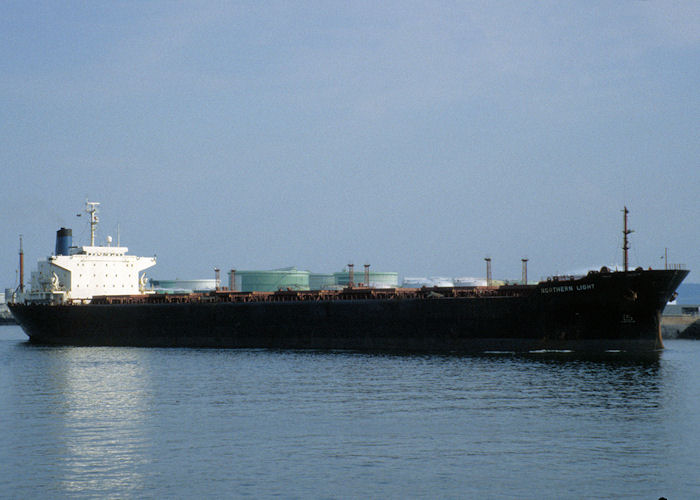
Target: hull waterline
602,311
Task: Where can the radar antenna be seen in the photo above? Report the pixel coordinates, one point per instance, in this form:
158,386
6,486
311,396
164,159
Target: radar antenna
91,209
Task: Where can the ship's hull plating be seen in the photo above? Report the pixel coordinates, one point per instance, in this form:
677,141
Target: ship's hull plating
599,312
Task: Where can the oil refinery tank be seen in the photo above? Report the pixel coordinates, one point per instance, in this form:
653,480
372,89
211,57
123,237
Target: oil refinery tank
442,281
321,281
377,279
416,282
273,280
183,286
468,281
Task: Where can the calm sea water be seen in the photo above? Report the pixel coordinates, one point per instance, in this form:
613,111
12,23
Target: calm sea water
183,423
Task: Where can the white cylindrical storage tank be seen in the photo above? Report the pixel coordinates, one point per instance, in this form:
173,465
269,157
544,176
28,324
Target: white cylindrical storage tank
377,279
183,286
416,282
468,281
441,281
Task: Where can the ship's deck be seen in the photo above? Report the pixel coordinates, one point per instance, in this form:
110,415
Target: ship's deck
349,293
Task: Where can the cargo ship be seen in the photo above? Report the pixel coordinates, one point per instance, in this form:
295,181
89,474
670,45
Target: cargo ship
97,296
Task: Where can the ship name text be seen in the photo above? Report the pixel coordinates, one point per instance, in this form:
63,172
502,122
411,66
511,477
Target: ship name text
568,288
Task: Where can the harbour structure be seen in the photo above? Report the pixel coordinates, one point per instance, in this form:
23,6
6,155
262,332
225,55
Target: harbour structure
692,331
603,310
678,318
6,317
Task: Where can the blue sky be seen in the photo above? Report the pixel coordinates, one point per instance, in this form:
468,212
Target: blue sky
419,137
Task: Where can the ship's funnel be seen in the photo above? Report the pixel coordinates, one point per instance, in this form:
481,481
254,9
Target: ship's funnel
64,240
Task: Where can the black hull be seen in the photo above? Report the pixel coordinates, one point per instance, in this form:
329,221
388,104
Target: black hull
612,311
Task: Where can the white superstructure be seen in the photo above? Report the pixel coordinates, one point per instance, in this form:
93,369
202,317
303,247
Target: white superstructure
87,271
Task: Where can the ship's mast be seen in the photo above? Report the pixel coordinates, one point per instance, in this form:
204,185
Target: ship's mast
626,245
91,209
21,265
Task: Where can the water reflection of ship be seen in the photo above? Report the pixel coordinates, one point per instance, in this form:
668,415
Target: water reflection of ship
84,433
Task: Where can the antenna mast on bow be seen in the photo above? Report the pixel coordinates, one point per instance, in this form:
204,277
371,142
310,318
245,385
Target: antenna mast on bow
626,245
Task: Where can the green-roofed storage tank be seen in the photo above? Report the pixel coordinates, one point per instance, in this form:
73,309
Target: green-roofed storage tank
321,281
273,280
